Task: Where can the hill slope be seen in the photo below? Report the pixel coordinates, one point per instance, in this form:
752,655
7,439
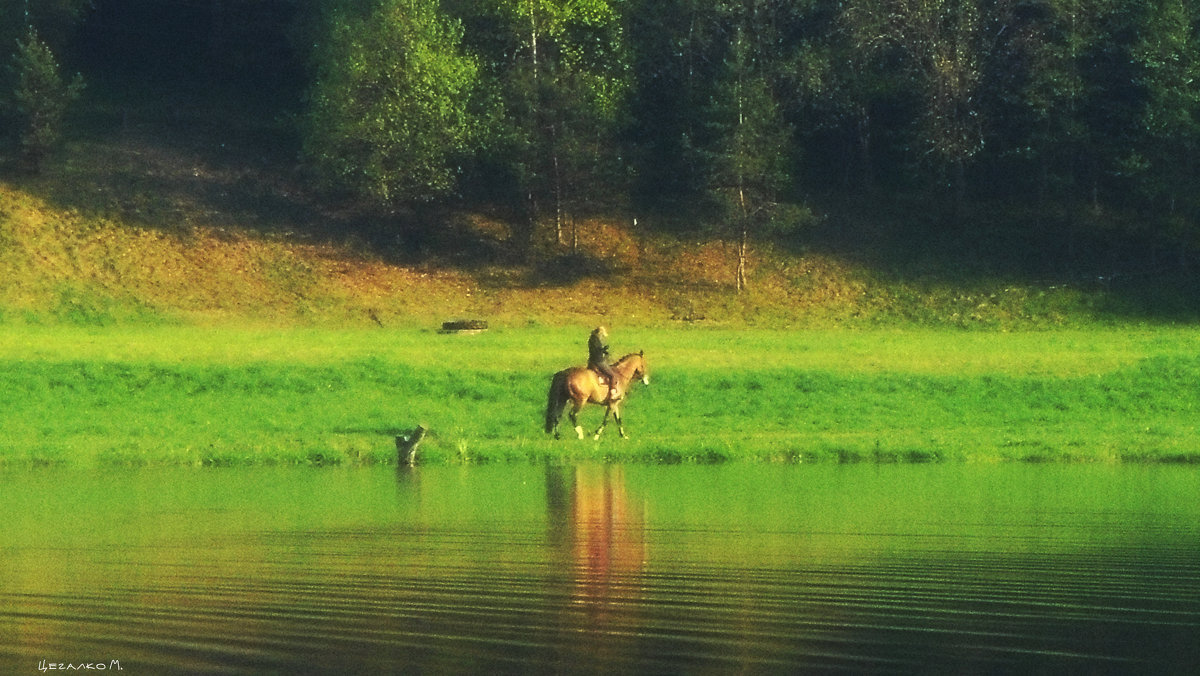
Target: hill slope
62,263
187,218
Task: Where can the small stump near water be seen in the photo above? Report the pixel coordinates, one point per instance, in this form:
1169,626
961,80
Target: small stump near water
406,446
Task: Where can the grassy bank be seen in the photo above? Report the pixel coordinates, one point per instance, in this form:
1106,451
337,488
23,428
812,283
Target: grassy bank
64,259
171,395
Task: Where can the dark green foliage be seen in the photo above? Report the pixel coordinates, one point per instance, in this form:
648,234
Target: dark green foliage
42,98
1163,160
389,113
54,20
555,76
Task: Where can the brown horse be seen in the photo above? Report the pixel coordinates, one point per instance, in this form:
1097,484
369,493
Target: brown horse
579,385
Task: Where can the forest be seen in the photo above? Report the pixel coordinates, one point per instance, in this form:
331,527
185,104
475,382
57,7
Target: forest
1071,126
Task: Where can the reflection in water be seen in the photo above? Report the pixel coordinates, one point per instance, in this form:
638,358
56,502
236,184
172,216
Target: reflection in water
599,569
592,519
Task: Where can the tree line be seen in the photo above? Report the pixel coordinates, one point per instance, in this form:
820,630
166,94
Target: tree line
733,111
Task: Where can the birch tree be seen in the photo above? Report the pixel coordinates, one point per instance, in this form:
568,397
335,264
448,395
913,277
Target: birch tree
389,112
748,159
559,72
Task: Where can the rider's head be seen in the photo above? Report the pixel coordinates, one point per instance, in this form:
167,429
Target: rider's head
601,331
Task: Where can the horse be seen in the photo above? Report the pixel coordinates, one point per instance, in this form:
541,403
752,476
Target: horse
579,385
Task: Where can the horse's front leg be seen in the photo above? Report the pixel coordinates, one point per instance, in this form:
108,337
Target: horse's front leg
607,410
574,415
620,423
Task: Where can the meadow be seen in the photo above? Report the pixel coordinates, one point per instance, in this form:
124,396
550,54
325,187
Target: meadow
189,395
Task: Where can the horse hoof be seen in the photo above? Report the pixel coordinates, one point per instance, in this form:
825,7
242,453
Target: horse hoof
579,431
596,438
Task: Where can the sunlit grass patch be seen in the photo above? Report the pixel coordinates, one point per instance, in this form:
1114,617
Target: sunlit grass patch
179,395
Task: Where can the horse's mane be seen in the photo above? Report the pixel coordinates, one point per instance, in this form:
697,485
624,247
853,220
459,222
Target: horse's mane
627,357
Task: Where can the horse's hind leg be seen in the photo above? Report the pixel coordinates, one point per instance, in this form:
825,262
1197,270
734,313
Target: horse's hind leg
558,417
574,415
553,417
556,401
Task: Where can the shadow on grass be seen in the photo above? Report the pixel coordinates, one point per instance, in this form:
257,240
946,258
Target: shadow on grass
1125,268
569,268
181,160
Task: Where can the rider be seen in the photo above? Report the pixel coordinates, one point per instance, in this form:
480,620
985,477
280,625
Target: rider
598,358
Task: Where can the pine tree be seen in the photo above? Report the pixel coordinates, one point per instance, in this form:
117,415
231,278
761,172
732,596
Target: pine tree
42,99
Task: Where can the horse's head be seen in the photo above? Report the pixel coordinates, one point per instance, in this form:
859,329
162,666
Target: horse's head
633,367
641,370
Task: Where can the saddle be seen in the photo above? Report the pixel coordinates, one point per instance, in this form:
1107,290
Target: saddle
613,390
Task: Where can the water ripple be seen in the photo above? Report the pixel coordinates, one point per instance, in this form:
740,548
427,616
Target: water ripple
571,592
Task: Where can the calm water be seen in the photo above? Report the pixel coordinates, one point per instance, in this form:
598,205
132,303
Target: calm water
740,568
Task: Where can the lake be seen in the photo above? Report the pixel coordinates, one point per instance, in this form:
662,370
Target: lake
746,568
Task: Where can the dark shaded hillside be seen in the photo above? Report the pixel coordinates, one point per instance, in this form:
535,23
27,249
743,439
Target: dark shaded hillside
1133,271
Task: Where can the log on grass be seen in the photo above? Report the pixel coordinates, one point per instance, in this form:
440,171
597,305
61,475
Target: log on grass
465,326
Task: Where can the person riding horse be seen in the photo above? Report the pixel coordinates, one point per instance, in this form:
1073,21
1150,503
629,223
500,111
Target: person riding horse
580,385
598,359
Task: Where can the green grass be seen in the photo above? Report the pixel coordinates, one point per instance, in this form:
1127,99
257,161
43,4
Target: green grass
180,395
135,268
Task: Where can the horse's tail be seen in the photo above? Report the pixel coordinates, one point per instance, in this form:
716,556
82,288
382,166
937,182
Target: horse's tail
556,400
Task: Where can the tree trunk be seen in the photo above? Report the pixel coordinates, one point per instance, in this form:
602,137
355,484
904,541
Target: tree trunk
741,259
558,189
864,151
534,132
741,266
533,42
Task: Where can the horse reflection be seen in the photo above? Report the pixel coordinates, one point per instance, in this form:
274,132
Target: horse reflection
600,530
